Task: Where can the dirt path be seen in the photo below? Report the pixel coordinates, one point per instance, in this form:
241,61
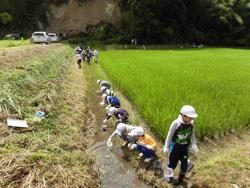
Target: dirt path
15,56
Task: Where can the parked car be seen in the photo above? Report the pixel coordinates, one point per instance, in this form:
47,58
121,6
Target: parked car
53,37
13,36
40,37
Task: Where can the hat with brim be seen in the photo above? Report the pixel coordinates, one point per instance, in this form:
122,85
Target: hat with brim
189,111
194,115
120,128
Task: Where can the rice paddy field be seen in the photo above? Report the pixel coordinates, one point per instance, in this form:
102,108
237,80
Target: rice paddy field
215,81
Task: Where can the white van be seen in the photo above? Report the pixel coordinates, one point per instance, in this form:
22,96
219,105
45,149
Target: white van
40,37
53,37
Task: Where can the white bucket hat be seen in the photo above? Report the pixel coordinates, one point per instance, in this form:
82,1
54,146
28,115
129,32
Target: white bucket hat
137,132
120,128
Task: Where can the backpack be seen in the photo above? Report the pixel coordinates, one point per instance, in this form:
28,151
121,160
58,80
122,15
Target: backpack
114,101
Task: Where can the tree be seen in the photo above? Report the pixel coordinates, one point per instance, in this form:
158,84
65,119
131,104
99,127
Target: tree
5,18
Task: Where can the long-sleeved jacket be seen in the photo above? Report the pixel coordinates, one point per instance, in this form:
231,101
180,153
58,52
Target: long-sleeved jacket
180,133
104,83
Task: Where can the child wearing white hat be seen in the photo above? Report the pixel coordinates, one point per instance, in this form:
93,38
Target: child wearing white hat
180,135
123,131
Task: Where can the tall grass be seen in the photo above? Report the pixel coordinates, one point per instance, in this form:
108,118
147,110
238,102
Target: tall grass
20,86
48,153
215,81
11,43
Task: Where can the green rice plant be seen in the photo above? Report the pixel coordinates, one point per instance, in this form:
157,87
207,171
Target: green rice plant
215,81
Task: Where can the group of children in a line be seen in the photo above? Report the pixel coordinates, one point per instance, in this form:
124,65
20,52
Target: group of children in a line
82,55
180,135
134,137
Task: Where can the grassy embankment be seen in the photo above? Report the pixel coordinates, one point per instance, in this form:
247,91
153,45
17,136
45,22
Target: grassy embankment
12,43
224,162
48,153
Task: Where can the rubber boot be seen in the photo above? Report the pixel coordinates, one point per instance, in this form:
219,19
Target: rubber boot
190,166
168,175
180,179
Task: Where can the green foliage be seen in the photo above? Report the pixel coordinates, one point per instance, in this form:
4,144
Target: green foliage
25,14
215,81
200,21
108,33
59,2
213,22
5,18
11,43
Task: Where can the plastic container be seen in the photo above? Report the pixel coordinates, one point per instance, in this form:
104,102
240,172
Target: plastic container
40,114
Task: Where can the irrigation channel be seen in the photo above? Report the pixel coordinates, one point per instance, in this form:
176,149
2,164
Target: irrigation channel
118,167
115,172
114,169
